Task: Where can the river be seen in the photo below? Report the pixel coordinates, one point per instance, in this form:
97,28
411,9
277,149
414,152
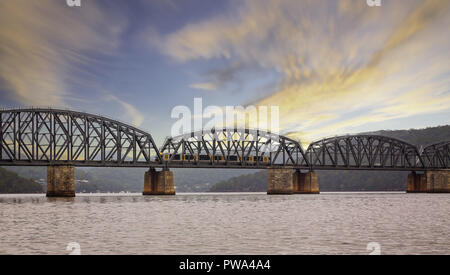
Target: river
226,223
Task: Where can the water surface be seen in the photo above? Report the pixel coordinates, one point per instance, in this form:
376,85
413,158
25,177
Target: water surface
226,223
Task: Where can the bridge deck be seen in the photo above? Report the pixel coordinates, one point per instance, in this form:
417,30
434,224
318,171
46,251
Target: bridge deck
213,166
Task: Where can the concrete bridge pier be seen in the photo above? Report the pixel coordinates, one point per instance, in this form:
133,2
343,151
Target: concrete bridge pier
280,181
286,181
306,183
429,182
60,181
416,183
158,182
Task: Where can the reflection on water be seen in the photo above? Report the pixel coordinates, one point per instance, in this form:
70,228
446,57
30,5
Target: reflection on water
252,223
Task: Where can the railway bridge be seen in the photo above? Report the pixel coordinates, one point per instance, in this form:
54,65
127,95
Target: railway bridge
64,139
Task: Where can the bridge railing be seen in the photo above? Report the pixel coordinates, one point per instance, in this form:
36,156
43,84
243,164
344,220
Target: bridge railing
437,155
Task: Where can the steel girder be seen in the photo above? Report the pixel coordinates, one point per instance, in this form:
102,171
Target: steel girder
235,148
437,155
365,152
50,136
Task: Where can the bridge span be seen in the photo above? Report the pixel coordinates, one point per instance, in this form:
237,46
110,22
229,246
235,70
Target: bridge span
64,139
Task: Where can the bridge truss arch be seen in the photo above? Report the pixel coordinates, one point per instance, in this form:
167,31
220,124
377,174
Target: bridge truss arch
364,152
437,155
37,136
233,148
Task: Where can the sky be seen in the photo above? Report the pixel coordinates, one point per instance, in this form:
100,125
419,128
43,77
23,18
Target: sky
332,67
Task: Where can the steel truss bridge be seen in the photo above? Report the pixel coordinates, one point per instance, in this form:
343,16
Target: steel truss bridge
43,137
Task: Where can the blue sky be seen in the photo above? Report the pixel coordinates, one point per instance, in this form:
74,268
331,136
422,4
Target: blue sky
332,67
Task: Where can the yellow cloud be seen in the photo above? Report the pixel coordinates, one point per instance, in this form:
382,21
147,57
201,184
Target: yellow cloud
208,86
42,42
133,114
343,64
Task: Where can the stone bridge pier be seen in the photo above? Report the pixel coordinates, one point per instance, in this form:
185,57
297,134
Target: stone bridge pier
158,182
288,181
429,182
60,181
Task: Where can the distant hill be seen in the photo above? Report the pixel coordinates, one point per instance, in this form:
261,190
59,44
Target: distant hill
348,180
256,182
419,137
132,179
328,181
10,182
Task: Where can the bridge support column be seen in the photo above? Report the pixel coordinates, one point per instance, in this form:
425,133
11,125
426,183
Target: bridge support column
416,183
158,182
306,183
429,182
280,181
61,181
438,181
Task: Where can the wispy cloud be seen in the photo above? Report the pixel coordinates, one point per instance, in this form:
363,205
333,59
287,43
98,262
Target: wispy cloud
43,43
132,113
342,63
208,86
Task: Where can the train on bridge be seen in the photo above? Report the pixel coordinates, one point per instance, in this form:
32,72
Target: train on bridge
208,158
